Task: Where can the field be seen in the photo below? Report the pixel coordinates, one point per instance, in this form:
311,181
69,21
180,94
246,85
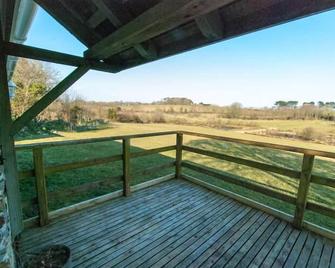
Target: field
74,178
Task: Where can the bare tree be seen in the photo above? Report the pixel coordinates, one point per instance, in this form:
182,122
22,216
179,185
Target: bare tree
33,79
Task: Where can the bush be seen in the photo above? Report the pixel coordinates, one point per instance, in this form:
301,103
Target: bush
309,133
158,117
128,117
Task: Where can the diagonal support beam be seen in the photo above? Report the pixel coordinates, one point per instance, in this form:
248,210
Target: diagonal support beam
166,15
19,50
47,99
211,25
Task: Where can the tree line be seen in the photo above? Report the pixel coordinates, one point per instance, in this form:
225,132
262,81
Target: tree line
294,104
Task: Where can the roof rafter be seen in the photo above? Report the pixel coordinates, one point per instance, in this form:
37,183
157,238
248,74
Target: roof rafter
164,16
149,52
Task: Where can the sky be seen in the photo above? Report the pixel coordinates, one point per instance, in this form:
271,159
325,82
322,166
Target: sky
293,61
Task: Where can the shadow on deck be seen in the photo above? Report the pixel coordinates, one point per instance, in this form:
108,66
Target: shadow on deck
180,224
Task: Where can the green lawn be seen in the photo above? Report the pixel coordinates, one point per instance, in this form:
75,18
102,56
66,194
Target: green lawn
60,181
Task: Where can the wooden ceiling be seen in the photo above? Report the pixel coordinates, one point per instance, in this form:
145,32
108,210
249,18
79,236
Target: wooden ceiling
127,33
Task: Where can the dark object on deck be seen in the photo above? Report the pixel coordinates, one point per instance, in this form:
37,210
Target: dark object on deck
56,256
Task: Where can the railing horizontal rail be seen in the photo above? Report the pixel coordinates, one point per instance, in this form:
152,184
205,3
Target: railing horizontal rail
265,144
26,173
81,164
250,163
149,171
323,181
330,212
237,181
152,151
84,188
94,140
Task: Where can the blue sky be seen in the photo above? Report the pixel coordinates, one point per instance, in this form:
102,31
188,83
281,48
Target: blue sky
293,61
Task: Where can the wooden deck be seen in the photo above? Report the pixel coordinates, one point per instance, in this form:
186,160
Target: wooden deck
179,224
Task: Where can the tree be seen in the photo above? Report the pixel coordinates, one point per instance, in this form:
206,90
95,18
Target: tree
33,79
330,104
234,110
112,113
292,104
281,103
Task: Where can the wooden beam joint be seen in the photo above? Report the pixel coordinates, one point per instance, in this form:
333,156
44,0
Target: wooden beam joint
211,25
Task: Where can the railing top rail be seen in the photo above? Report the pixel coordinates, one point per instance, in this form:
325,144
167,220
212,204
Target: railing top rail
265,144
92,140
289,148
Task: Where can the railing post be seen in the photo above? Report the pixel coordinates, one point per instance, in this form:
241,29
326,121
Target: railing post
179,154
306,173
41,186
126,166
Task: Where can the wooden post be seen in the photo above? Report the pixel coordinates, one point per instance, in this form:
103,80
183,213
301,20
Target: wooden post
179,153
306,173
126,166
8,150
41,187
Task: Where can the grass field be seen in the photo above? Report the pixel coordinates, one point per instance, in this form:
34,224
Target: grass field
60,181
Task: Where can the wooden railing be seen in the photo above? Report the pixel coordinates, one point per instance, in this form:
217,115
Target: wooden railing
304,176
41,171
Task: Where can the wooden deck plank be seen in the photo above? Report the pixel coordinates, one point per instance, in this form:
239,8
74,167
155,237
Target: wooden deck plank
264,251
223,244
149,240
146,194
315,255
257,238
118,217
103,250
179,224
194,240
174,238
247,239
254,248
306,252
91,213
285,252
296,250
271,257
88,221
189,255
326,256
332,262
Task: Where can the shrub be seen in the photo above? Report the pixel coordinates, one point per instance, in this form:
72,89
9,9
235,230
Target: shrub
158,117
309,133
128,117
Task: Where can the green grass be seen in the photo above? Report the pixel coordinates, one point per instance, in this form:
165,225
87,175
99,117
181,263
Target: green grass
61,181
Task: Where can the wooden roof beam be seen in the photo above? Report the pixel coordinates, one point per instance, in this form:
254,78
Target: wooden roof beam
48,98
164,16
35,53
211,25
97,18
149,52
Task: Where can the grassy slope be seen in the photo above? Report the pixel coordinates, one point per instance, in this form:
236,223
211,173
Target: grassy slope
77,177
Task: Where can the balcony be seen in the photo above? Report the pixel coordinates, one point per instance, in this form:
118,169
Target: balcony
184,218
